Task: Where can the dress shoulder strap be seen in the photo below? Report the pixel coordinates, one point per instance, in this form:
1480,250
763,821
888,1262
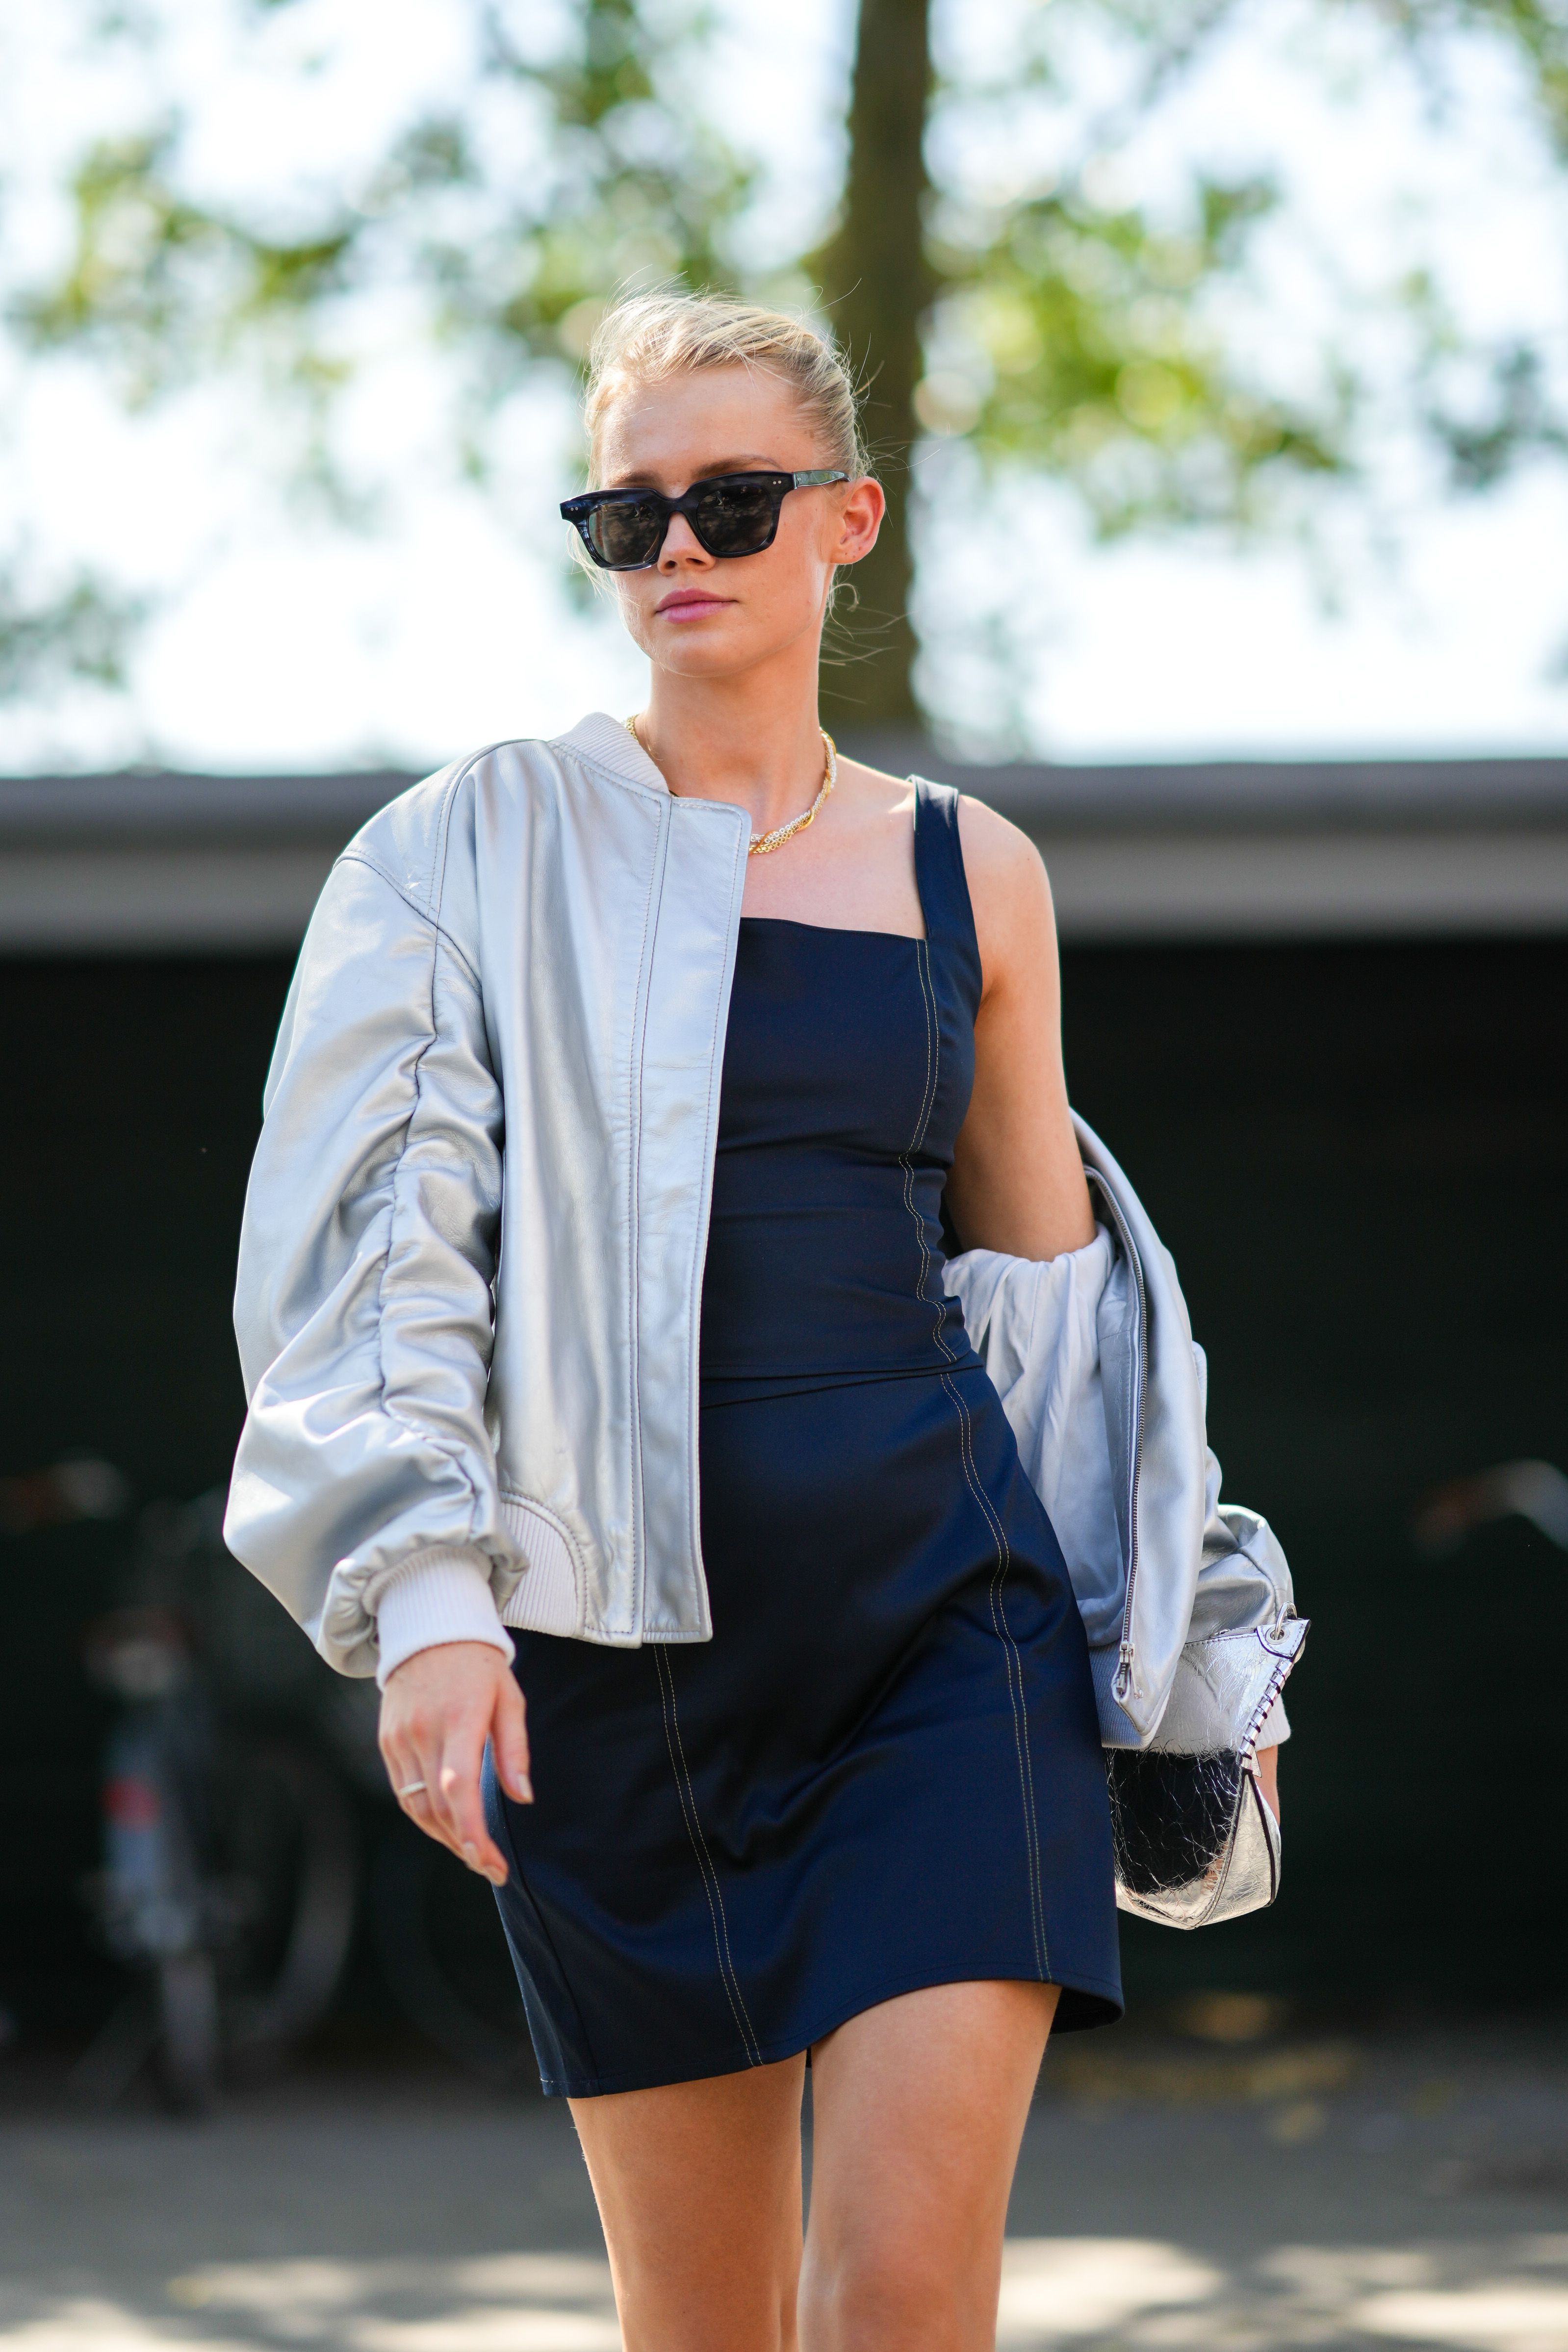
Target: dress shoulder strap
941,882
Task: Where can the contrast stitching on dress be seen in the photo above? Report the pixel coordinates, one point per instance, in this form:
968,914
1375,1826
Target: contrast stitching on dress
1014,1666
710,1886
1012,1662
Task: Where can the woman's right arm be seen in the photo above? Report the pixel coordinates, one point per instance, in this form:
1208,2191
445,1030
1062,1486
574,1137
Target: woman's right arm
364,1492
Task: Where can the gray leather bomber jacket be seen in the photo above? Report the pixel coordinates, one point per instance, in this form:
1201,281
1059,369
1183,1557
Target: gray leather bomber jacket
471,1267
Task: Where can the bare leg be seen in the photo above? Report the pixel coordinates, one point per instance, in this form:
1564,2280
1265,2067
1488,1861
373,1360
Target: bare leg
918,2107
917,2111
699,2190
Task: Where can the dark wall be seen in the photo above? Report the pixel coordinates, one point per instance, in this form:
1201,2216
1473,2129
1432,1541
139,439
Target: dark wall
134,1091
136,1095
1359,1155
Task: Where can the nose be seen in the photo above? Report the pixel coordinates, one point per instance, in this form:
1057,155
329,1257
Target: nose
681,545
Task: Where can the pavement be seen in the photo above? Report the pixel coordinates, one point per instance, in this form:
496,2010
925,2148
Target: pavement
1261,2189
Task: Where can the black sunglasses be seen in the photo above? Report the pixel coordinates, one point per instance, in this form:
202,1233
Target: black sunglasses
733,514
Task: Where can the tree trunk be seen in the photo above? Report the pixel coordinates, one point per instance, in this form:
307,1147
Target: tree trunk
876,284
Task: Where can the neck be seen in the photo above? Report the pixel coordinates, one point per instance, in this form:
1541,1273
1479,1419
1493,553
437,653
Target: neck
754,740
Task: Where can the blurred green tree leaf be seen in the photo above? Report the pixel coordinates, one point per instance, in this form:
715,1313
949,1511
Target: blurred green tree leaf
163,290
1060,330
79,632
584,177
1067,333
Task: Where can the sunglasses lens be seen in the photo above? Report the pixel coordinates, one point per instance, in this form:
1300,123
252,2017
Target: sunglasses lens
626,532
737,518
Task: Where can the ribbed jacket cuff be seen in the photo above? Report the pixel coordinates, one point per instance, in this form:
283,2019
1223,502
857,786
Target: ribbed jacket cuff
441,1595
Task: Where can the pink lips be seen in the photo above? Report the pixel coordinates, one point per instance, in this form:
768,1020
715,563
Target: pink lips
688,604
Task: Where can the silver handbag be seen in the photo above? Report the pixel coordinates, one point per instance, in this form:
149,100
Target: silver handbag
1194,1840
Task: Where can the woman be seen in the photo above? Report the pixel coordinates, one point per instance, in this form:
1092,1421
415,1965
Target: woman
672,1383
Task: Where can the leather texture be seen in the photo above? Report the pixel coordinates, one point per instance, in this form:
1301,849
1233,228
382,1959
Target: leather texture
1194,1840
1187,1600
541,926
469,1334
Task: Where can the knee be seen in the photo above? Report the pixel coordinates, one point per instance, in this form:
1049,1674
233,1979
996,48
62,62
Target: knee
756,2316
894,2297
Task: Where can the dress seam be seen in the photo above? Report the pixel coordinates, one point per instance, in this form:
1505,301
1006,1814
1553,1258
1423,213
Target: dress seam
711,1888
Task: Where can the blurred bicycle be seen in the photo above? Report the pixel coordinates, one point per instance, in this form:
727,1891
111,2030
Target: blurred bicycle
230,1874
246,1829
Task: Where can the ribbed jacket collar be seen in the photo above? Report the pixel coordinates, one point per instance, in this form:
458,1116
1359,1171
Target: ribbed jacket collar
610,744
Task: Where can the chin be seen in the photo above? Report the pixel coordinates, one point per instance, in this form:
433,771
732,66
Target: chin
703,651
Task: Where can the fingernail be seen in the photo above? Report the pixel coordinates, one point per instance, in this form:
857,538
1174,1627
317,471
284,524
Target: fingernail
522,1790
497,1878
472,1856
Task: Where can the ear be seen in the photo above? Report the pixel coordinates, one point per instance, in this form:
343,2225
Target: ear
860,520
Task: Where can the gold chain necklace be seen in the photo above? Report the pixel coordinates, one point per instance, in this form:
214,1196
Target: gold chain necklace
762,843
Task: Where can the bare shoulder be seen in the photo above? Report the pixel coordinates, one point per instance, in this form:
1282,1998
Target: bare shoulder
1009,891
997,855
875,789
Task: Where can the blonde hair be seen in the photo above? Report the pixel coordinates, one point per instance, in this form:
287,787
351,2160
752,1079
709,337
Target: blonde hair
644,337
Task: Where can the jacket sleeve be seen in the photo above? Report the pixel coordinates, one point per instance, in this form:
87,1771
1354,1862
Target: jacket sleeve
1041,1329
365,1481
1035,1324
1244,1587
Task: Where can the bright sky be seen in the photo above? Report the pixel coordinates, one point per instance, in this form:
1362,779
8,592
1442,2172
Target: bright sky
283,642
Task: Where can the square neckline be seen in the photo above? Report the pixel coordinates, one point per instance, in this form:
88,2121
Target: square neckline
840,930
859,930
942,886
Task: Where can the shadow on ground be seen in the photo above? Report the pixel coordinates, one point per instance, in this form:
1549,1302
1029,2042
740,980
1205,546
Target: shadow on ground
1304,2191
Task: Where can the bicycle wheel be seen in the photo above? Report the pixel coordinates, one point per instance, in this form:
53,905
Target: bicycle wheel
288,1878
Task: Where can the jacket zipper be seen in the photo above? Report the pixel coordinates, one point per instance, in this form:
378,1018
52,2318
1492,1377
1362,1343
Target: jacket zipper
633,1243
1121,1689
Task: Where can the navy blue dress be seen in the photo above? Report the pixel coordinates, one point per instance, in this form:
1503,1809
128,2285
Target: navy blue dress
884,1771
